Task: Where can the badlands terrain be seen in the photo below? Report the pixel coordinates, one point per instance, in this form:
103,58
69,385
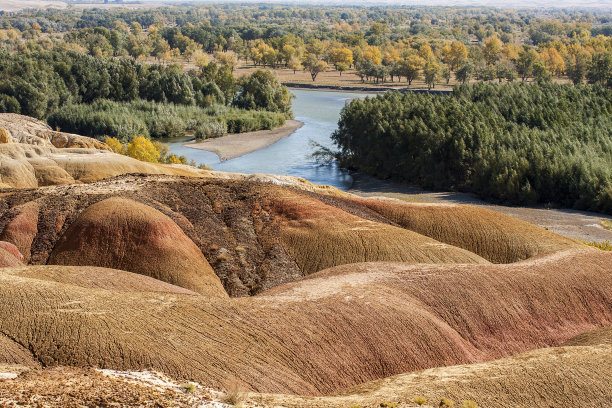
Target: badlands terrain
126,283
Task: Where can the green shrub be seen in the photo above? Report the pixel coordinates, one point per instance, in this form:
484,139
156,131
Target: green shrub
210,130
123,120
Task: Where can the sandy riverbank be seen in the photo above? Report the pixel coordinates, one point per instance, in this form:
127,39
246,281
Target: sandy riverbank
236,145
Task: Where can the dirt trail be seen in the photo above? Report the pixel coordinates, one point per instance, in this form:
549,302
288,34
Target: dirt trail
581,225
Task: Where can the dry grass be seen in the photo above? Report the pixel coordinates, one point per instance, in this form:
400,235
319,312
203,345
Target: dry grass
607,224
604,246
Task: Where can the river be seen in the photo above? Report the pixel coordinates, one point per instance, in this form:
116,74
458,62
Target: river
319,110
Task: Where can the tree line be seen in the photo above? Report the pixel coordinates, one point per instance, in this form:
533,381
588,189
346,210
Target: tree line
73,90
513,143
380,43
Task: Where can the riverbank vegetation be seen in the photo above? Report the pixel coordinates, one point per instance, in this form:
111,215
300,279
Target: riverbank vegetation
122,120
513,143
122,98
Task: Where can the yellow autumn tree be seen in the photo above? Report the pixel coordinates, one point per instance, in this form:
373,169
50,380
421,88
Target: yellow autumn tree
373,54
553,60
142,149
492,49
426,52
455,54
115,145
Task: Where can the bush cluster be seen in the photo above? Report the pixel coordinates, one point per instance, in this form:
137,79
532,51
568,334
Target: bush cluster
123,120
210,130
513,143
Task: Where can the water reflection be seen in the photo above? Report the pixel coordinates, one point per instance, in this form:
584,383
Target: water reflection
319,110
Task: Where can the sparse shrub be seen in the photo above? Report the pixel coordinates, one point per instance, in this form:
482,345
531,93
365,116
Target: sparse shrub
420,401
188,387
234,395
607,224
388,405
604,246
210,130
446,403
469,404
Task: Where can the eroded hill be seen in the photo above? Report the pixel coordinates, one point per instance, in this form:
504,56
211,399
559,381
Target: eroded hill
286,287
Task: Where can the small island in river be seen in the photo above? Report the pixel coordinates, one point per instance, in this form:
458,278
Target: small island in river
238,144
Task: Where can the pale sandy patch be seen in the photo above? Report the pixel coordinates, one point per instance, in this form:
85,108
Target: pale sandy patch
236,145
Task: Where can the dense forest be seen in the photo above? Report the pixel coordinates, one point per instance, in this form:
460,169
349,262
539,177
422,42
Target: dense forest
376,44
514,143
123,98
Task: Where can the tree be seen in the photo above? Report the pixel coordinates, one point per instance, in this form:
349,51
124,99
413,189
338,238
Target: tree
432,73
295,64
577,66
227,58
160,47
455,54
491,50
445,73
540,72
411,67
464,73
600,70
524,65
314,66
115,145
342,56
142,149
553,61
373,54
426,53
262,90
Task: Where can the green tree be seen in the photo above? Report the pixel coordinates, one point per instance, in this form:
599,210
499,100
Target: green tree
262,90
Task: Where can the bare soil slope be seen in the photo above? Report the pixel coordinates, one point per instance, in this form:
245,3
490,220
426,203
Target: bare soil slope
496,237
335,329
124,234
254,235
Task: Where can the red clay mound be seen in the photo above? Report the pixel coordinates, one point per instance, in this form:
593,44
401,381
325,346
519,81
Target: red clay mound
548,377
124,234
94,277
335,329
22,228
320,236
496,237
9,255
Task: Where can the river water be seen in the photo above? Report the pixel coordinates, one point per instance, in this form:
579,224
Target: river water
319,110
